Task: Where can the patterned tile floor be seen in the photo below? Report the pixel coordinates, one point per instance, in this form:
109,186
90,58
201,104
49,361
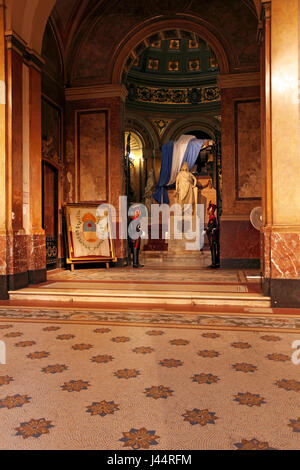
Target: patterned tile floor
83,386
246,319
150,273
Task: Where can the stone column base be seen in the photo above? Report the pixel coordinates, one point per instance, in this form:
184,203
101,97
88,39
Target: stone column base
284,293
23,261
281,260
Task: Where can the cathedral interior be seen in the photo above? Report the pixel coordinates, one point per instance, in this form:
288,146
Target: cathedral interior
94,95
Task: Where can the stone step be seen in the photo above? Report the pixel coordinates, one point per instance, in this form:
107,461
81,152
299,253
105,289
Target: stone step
141,297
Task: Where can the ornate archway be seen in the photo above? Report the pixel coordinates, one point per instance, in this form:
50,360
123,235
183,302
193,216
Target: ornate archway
206,124
137,39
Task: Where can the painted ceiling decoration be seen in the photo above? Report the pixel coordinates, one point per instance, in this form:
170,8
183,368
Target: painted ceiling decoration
177,68
171,50
161,125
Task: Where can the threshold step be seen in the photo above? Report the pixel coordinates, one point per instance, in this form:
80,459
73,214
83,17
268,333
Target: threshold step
133,297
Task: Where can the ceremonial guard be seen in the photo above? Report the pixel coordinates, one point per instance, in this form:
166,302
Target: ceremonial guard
134,240
212,232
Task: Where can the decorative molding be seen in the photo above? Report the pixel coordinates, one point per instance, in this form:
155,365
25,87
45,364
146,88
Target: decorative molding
285,229
15,42
30,57
161,125
33,59
265,15
174,96
239,80
235,217
94,92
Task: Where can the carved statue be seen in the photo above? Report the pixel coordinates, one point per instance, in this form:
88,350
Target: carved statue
186,187
149,190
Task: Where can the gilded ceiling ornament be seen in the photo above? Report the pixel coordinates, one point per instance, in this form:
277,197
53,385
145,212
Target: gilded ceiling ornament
174,95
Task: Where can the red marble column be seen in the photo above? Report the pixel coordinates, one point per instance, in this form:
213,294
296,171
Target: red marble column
25,241
16,238
3,164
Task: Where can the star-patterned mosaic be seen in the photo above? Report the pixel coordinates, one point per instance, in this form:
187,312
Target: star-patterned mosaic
78,386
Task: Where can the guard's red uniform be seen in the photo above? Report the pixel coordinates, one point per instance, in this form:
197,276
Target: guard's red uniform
212,232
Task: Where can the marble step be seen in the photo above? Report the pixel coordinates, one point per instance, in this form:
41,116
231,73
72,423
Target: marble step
145,295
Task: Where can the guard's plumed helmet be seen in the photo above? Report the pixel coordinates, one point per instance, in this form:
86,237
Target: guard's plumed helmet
211,207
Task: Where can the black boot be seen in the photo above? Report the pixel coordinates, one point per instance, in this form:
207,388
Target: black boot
136,262
213,257
128,259
217,256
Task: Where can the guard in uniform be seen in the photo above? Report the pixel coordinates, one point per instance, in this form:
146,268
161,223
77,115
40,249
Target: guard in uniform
212,232
135,243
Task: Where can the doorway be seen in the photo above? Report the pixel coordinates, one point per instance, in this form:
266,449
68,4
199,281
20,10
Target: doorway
50,213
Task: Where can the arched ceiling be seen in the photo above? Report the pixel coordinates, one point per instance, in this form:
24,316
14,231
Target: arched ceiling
80,24
180,72
28,18
123,29
185,56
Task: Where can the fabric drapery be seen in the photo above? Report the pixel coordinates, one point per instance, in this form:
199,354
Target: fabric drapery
192,152
180,147
161,193
174,154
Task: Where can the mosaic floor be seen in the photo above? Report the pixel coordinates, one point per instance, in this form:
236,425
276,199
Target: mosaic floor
247,319
68,386
160,377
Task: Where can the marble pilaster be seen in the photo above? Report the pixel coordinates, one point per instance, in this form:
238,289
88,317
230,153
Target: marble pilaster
280,234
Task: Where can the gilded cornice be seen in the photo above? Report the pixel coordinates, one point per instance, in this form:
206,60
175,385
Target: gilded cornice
174,96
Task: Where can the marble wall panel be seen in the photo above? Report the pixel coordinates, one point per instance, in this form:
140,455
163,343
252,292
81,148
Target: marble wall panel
248,149
239,240
266,253
236,161
285,255
17,254
3,265
36,252
92,156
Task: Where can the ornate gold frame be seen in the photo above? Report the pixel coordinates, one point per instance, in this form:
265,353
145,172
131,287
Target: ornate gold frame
87,259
